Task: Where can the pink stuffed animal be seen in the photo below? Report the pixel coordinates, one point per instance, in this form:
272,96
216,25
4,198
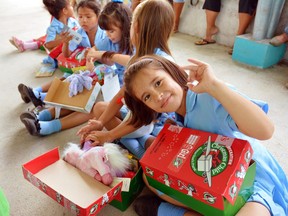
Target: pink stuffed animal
101,162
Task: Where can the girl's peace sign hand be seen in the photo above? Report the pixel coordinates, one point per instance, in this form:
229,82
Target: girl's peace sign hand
201,77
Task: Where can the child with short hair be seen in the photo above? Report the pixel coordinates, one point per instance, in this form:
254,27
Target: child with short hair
204,102
88,11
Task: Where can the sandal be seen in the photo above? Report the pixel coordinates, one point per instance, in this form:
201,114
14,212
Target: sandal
204,42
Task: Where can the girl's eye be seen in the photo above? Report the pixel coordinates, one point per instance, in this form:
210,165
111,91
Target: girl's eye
158,83
146,97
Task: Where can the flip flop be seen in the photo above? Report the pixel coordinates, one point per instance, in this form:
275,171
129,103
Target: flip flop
204,42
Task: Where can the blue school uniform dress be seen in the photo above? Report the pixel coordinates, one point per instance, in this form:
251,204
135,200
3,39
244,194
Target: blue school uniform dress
103,43
54,29
137,145
203,112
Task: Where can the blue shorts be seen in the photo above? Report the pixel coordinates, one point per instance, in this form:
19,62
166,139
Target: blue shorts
179,1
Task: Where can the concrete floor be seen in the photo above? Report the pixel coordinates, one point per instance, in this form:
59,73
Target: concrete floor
28,21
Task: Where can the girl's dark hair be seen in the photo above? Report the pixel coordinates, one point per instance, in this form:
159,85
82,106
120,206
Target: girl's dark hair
142,114
120,15
91,4
54,7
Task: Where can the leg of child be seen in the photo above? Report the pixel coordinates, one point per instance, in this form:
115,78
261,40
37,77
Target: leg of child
170,207
149,141
133,146
24,45
34,95
253,208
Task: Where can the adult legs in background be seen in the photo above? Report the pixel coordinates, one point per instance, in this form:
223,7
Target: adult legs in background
178,7
247,9
212,9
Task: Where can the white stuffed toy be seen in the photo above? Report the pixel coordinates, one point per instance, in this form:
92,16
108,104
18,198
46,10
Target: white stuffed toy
101,162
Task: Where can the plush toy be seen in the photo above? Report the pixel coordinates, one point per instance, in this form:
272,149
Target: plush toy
101,162
78,82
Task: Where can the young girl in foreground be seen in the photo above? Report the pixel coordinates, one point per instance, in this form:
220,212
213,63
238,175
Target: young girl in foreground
156,85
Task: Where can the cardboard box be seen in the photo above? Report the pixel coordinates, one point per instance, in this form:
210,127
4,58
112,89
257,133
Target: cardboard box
128,196
58,94
77,191
69,186
210,173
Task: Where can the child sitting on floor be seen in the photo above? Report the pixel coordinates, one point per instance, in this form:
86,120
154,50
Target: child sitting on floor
116,41
204,102
55,8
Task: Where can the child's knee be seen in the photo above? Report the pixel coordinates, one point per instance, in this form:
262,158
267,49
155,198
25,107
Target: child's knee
99,108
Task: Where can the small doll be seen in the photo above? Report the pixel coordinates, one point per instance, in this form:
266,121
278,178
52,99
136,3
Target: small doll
101,162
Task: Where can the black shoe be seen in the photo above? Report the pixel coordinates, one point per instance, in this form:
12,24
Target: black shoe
29,115
30,94
32,126
24,97
147,205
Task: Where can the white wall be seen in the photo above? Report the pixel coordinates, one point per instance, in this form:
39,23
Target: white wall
193,21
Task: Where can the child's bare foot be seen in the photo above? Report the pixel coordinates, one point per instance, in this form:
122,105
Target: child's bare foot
279,40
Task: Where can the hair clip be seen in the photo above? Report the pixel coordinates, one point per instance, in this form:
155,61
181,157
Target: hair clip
117,1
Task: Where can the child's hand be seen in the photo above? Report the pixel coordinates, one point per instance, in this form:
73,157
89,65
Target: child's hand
96,55
201,77
90,64
99,137
66,37
92,125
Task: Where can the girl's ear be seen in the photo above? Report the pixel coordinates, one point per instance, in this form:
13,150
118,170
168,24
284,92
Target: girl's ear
64,11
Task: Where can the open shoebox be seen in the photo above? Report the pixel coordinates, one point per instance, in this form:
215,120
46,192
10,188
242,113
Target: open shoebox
77,191
58,94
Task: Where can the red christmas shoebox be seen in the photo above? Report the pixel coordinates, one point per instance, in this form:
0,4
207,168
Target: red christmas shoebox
76,59
75,190
210,173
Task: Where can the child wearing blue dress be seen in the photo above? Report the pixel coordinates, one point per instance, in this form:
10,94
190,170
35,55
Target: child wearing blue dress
43,123
147,38
202,101
62,14
59,10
